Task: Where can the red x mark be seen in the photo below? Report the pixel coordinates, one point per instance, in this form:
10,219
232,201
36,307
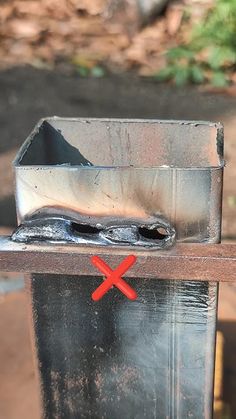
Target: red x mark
114,277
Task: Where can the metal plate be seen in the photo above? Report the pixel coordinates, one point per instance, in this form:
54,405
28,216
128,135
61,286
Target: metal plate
195,262
152,358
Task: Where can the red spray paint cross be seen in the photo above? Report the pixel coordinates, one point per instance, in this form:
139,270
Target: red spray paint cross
114,278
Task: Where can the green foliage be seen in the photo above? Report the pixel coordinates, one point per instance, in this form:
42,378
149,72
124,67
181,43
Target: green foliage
95,71
83,71
88,66
210,56
218,79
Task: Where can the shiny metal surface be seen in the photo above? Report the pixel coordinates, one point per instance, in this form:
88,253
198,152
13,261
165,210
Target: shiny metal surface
152,358
57,229
111,172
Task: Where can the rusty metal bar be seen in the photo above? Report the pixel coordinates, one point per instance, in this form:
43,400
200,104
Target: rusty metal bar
192,262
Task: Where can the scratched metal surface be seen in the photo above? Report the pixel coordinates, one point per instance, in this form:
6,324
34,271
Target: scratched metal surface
152,358
112,172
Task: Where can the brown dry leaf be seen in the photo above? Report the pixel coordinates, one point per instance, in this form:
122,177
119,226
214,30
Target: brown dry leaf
114,28
146,43
108,45
57,9
136,54
174,17
117,63
233,77
88,27
154,31
5,12
155,63
25,7
62,28
21,49
45,52
145,71
95,7
59,46
34,30
23,28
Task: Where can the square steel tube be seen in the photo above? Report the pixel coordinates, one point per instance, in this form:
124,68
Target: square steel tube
149,358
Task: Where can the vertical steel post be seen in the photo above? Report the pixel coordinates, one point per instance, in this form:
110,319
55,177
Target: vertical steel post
124,183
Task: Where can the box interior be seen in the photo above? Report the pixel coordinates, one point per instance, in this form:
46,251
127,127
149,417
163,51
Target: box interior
123,143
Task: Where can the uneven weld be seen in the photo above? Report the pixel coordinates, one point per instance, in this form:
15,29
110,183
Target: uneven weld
64,230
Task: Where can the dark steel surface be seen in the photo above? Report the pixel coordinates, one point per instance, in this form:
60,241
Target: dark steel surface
191,262
152,358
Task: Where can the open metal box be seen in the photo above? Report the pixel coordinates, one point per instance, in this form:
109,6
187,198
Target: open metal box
126,186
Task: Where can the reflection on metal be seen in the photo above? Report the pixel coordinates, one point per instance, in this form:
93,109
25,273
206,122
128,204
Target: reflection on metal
113,172
149,358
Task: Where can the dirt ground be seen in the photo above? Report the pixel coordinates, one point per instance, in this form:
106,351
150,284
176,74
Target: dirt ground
26,96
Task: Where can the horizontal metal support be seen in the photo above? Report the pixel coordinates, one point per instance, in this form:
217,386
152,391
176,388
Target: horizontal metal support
197,262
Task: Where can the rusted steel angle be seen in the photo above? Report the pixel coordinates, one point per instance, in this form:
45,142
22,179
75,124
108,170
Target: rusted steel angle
197,262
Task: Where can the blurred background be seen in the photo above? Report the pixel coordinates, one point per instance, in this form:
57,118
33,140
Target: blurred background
121,58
